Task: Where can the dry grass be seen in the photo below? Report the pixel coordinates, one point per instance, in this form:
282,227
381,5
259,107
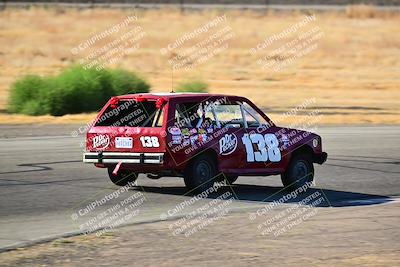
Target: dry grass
353,74
363,11
41,253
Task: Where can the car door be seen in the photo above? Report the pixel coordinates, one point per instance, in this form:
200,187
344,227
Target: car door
263,143
228,133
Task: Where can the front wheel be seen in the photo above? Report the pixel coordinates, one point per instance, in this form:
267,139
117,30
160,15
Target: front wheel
299,172
122,178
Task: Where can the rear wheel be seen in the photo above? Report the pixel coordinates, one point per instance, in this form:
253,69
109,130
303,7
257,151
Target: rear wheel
123,177
200,173
299,172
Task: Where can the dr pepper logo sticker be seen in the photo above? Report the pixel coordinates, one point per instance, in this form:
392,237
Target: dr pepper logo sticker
101,141
227,144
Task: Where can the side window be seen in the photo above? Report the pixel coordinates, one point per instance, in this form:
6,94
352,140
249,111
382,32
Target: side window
229,115
210,119
253,118
187,115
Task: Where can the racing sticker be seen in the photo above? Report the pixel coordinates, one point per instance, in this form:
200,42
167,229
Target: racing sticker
202,135
174,130
186,142
185,133
193,131
176,139
267,147
227,144
193,139
101,141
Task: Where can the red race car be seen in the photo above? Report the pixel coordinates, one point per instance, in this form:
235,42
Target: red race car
204,138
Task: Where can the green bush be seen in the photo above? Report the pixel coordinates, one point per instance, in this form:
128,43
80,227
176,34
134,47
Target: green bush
26,95
124,82
75,90
192,86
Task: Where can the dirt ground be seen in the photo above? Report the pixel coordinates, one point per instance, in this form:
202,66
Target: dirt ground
352,72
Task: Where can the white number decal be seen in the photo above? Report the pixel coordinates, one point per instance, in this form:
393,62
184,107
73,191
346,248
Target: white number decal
268,147
262,154
274,153
149,141
249,147
154,140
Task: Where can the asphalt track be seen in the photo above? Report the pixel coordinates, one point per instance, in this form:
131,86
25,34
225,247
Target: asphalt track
44,184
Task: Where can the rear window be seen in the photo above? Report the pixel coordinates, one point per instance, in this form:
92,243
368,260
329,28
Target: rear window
132,114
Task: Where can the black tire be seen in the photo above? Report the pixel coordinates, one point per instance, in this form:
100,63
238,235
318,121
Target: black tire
122,178
200,173
299,172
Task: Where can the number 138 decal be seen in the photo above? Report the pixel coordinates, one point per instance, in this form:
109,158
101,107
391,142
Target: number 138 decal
267,147
149,141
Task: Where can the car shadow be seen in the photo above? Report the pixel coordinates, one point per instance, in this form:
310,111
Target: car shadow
270,194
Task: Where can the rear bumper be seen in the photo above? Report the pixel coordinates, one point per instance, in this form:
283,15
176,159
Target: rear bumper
320,158
116,157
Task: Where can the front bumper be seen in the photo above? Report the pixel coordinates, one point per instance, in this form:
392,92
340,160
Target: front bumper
116,157
320,158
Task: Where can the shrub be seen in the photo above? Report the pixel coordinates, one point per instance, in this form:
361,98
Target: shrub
74,90
27,95
192,86
77,90
124,82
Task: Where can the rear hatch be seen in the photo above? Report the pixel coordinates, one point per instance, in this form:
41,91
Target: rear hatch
129,125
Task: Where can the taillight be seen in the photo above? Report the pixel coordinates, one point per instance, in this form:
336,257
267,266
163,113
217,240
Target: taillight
159,103
114,102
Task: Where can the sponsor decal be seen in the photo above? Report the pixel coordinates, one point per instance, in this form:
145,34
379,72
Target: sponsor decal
193,131
174,130
176,139
185,133
186,142
227,144
123,142
193,139
101,141
202,135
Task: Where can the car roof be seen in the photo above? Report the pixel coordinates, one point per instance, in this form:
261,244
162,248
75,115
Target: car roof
168,96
